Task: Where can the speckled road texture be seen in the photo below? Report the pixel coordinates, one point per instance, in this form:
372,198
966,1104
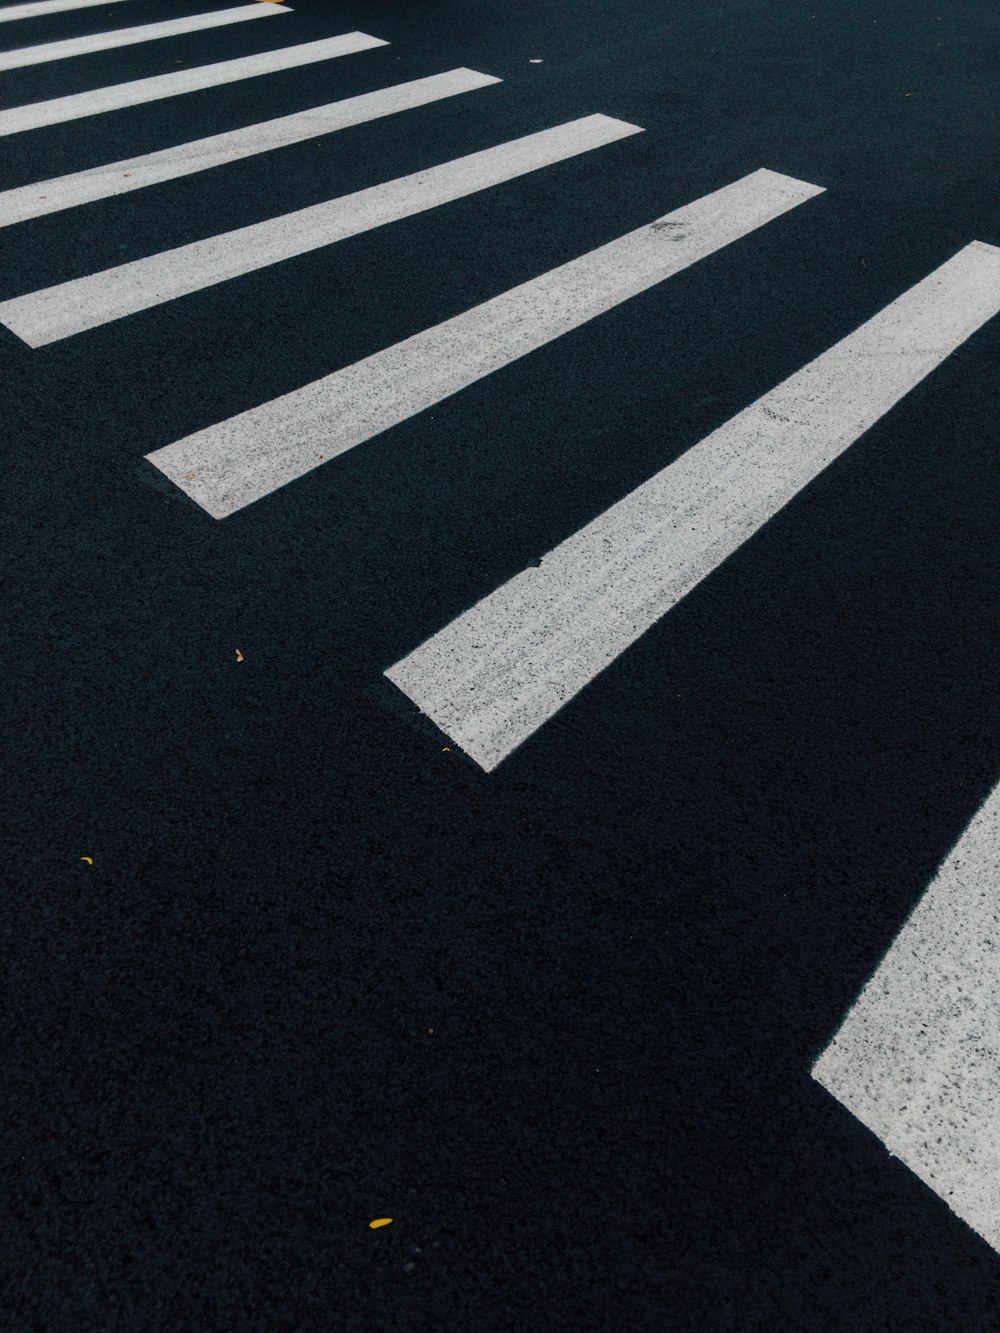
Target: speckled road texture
558,1021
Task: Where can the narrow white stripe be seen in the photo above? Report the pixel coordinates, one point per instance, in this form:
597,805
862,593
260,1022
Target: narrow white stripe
499,671
84,303
147,32
917,1059
83,187
250,455
39,8
34,115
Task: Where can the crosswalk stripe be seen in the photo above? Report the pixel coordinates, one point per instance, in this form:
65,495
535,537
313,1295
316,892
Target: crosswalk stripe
247,457
116,97
85,303
499,671
146,32
39,8
917,1059
83,187
23,56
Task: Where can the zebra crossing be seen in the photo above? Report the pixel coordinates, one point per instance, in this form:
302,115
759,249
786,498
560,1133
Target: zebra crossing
498,673
147,32
117,97
137,173
493,677
248,457
85,303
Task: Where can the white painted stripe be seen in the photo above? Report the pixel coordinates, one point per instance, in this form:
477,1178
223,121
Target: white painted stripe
499,671
85,303
917,1059
35,115
83,187
251,455
39,8
146,32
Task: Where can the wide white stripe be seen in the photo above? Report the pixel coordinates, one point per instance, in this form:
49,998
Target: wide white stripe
917,1059
250,455
39,8
84,303
83,187
35,115
494,675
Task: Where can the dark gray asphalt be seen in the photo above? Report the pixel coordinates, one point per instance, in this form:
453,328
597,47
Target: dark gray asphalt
557,1022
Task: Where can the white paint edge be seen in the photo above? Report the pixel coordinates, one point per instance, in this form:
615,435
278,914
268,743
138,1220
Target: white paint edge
146,32
501,670
247,457
137,173
119,96
917,1059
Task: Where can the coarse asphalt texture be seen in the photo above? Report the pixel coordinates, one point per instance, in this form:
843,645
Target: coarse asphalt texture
556,1021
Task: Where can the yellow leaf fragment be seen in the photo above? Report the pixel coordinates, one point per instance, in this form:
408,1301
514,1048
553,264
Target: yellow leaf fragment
380,1222
89,860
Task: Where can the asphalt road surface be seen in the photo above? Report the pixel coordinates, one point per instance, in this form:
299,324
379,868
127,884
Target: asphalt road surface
493,662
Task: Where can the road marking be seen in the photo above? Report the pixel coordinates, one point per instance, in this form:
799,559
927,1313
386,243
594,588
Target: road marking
35,115
247,457
917,1059
83,187
493,676
39,8
85,303
146,32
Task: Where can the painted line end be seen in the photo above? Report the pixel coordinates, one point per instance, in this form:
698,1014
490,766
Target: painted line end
490,78
806,187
